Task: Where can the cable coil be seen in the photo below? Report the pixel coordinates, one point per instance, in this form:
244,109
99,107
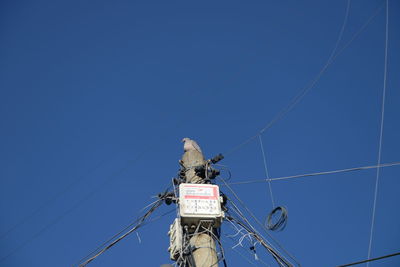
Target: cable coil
280,223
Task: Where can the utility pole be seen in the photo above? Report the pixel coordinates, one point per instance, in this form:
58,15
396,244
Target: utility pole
204,253
203,244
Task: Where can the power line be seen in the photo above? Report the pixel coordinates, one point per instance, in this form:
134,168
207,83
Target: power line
369,260
296,99
381,131
317,173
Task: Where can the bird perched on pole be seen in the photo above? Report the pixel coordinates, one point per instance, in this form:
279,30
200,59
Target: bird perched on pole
190,145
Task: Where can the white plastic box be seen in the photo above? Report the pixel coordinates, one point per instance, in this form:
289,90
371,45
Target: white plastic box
199,202
175,239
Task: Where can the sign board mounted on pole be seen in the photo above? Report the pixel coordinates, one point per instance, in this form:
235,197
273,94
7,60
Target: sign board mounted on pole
199,202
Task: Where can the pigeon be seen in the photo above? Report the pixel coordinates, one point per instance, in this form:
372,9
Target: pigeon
190,144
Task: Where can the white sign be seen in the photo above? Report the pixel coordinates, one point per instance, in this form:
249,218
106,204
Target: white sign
200,200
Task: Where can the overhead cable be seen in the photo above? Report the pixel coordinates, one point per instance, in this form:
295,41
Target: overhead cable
317,173
380,132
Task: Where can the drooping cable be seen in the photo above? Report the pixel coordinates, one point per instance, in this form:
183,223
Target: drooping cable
380,132
296,99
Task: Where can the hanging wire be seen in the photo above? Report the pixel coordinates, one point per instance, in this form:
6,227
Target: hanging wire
380,133
271,223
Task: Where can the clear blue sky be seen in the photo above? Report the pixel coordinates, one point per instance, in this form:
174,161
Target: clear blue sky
95,97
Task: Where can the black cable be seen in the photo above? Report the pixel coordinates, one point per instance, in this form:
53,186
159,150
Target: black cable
373,259
216,234
191,261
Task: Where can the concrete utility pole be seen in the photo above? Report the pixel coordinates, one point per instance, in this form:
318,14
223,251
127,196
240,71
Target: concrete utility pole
205,253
